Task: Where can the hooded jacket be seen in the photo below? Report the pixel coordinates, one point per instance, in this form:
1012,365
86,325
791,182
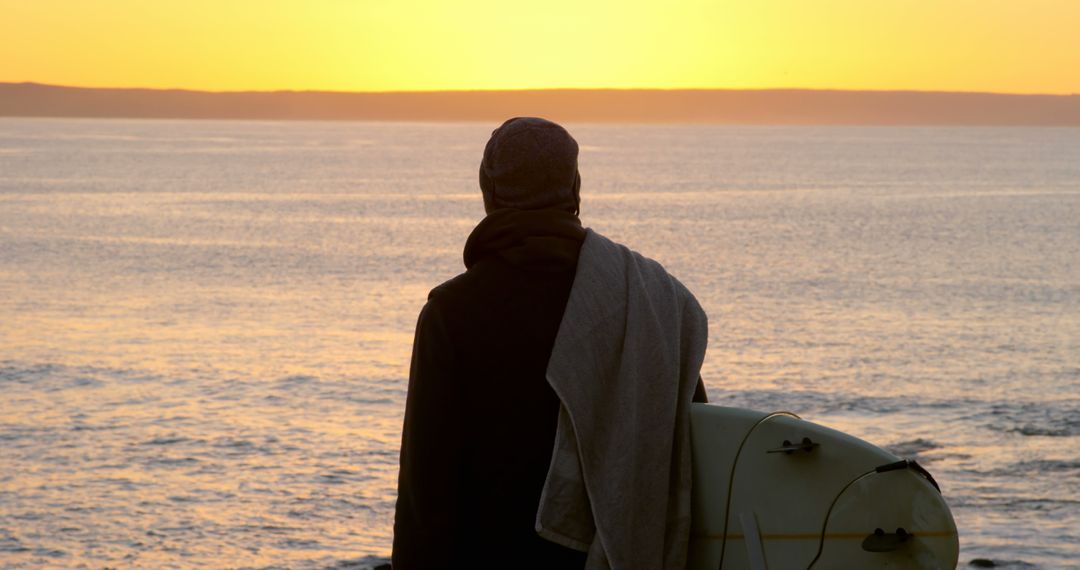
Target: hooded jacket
481,416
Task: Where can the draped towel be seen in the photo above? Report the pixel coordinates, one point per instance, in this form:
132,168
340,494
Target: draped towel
625,364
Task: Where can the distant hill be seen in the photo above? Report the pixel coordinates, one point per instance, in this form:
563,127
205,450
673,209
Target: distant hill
768,106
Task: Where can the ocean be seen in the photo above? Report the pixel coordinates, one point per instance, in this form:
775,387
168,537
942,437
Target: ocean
205,326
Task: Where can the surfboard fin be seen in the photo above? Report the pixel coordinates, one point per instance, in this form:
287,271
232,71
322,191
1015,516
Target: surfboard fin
787,447
880,541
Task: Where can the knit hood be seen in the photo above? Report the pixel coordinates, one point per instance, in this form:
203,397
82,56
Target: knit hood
540,240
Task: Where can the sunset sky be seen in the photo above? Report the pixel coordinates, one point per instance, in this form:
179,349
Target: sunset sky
1009,46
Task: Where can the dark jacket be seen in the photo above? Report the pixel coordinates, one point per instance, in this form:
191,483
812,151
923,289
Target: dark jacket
480,417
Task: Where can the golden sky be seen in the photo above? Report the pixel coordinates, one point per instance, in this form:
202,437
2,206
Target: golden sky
1011,46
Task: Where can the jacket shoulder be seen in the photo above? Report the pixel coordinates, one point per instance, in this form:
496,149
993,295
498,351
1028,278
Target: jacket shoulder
450,288
473,284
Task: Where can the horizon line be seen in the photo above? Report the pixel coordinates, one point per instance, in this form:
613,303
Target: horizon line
718,106
546,89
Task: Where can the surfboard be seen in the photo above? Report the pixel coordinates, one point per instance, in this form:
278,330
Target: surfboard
771,490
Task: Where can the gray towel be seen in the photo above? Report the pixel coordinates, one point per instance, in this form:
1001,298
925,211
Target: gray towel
625,364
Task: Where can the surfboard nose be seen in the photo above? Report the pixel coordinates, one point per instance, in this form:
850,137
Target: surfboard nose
773,490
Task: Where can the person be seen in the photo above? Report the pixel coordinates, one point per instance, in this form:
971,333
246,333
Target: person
483,420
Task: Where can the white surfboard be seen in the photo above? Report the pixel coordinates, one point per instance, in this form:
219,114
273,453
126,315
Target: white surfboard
774,491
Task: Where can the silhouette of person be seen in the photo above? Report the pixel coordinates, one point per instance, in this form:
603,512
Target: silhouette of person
481,417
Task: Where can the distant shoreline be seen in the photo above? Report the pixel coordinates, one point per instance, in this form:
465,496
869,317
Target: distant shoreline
709,106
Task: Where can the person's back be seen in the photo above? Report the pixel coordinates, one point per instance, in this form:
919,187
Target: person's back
481,418
488,473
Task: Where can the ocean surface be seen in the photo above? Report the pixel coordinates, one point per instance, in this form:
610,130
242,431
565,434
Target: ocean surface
205,327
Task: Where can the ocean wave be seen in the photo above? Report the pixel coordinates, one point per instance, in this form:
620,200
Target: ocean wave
167,440
1068,430
364,563
1047,419
817,403
912,448
9,543
1043,418
1044,466
990,563
54,377
1045,469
